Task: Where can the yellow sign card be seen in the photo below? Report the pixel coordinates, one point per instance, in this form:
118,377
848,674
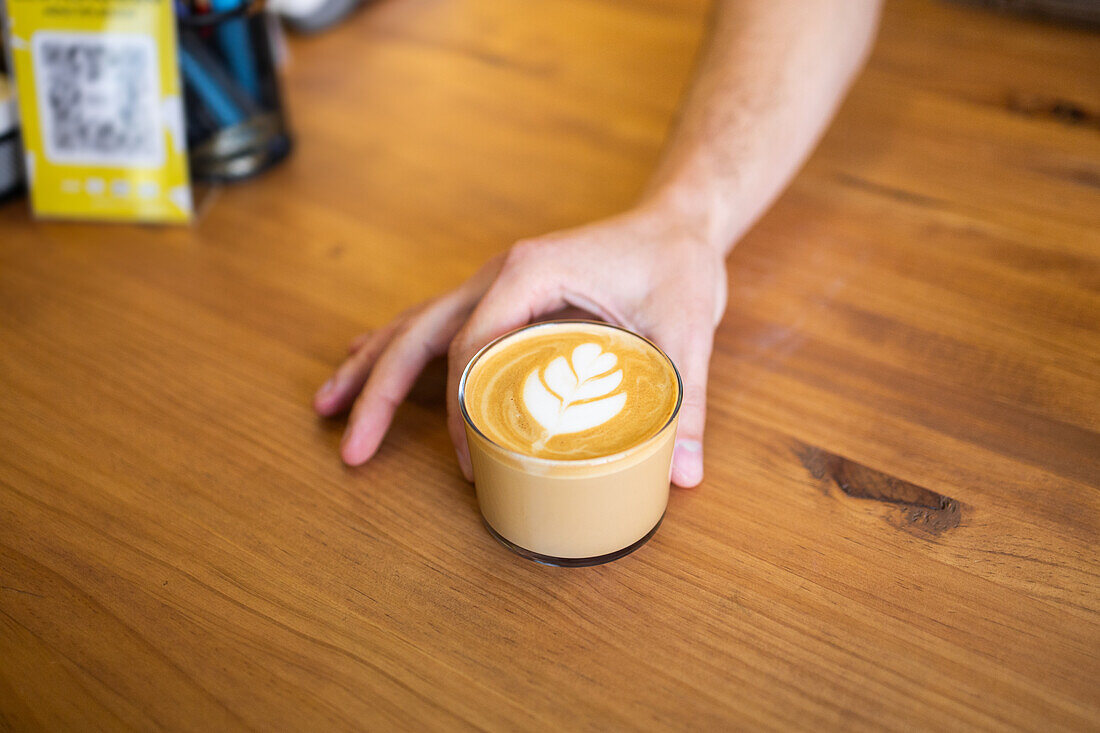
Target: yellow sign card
101,110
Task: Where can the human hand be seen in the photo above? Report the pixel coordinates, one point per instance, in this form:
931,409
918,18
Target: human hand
642,270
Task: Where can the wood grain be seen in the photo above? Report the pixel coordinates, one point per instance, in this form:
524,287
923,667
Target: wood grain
899,523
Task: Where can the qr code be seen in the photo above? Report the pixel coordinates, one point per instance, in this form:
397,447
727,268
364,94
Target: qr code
98,98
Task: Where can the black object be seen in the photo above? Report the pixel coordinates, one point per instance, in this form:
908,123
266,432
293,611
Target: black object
258,137
11,164
11,148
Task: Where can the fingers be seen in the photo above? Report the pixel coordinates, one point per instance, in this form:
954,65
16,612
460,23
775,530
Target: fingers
688,342
359,341
412,345
522,291
337,394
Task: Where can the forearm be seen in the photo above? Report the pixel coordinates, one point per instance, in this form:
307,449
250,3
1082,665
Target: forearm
770,79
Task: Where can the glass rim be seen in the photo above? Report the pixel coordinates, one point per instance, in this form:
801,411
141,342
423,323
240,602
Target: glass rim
596,460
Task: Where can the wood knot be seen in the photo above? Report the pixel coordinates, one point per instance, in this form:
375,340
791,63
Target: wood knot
1065,111
916,508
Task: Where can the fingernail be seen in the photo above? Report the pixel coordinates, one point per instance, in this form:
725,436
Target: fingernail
689,446
465,467
326,387
687,463
344,441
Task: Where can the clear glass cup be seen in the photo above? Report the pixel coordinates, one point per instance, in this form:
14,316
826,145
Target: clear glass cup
572,513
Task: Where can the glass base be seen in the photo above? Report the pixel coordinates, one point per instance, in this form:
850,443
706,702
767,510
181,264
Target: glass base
571,562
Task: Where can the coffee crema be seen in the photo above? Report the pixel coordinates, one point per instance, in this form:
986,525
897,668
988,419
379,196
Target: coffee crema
571,391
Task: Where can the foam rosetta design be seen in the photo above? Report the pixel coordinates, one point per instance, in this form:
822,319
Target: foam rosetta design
575,395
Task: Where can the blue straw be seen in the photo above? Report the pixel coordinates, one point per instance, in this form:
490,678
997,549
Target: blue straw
213,96
235,44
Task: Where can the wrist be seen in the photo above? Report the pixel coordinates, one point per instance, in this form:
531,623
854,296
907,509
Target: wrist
698,216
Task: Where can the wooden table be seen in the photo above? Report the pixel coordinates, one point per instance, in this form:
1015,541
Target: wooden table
899,524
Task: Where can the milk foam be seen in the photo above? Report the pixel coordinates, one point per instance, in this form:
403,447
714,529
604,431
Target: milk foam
571,391
573,397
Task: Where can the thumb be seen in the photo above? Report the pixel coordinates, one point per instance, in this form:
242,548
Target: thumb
523,290
689,342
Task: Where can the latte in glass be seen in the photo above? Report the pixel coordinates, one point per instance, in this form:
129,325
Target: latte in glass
571,427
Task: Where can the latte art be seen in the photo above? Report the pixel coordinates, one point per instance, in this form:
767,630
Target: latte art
573,396
571,391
